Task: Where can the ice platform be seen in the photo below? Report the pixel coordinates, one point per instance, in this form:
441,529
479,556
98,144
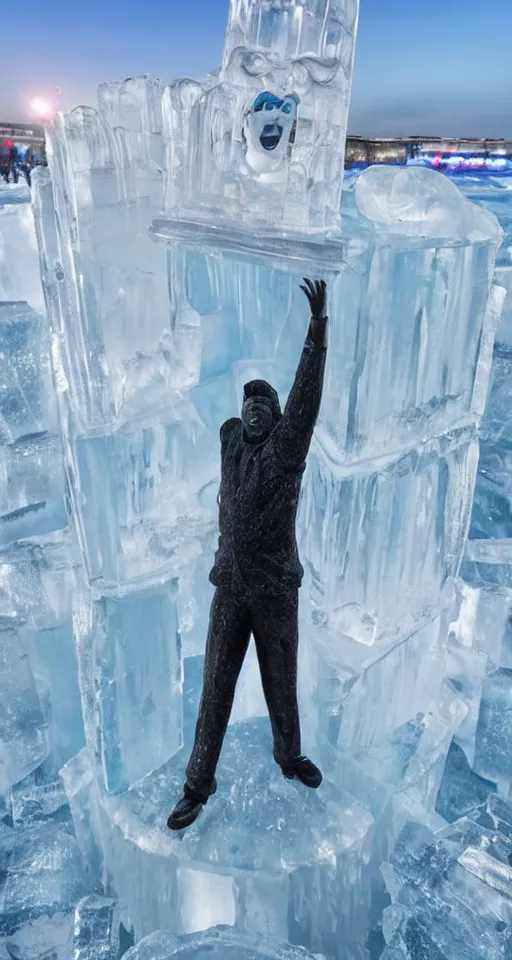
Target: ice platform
317,253
267,855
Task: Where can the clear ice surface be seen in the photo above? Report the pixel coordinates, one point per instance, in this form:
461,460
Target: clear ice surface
219,942
173,226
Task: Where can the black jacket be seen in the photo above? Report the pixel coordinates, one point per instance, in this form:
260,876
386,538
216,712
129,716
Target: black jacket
260,485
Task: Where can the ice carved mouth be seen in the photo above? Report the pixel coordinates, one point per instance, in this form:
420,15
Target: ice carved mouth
270,136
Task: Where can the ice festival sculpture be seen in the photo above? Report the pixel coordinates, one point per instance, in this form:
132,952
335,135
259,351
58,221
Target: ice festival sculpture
174,224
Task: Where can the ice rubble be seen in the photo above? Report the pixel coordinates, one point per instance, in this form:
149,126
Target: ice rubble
171,249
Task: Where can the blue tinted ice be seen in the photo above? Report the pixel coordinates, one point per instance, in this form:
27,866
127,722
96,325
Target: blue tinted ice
174,224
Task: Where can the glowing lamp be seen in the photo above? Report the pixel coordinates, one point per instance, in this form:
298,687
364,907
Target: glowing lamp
41,108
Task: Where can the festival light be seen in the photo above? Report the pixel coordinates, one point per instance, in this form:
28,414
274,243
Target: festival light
41,108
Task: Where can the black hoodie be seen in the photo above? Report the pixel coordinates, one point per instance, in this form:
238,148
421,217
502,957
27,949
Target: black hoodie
260,483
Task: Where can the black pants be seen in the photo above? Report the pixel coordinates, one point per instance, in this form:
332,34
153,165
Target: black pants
273,621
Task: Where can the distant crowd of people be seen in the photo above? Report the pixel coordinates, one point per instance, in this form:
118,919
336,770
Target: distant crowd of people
14,164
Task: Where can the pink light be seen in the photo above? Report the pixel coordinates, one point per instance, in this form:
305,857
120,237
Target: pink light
41,108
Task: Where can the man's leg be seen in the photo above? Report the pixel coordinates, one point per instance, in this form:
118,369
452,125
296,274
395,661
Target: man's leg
276,633
229,633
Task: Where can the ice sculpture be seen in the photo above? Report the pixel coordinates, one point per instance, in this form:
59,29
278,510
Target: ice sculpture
269,136
173,227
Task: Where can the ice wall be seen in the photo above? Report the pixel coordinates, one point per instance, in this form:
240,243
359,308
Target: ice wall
174,226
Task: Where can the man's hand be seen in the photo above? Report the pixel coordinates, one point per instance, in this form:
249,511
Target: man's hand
316,292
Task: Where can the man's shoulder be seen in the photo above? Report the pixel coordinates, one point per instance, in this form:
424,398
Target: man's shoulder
229,426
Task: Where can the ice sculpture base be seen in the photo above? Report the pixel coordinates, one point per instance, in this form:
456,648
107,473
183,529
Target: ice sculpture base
266,855
284,250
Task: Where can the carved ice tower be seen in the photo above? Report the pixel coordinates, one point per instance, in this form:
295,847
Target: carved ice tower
266,141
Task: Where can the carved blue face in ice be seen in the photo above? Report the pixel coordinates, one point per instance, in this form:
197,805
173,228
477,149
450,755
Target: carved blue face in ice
271,120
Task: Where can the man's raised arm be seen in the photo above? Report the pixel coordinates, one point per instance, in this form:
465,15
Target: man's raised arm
295,430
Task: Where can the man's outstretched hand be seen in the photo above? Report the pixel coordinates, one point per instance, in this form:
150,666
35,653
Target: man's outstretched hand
316,292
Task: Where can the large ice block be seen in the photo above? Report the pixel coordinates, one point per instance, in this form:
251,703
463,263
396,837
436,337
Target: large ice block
92,219
460,790
19,262
23,729
266,141
352,682
43,876
451,891
266,856
398,297
37,582
492,508
493,758
381,543
130,676
137,492
221,942
95,929
27,402
32,492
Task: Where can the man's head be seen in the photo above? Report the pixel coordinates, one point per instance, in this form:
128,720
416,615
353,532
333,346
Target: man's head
260,411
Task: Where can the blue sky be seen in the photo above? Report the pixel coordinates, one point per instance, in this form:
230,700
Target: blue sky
441,67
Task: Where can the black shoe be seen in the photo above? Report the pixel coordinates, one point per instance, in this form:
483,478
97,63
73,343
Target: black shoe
188,808
304,770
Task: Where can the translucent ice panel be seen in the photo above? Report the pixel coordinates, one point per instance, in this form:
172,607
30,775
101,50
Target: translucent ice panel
392,376
95,929
38,578
122,310
353,683
19,262
150,473
492,753
219,943
450,892
492,508
380,546
23,730
31,487
44,875
26,392
132,643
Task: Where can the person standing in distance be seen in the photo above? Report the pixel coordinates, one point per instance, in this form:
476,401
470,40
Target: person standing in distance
257,572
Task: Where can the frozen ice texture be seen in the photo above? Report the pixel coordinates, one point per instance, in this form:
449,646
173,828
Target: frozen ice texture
277,159
23,728
451,890
352,682
46,938
265,856
492,509
37,583
19,263
417,202
31,475
122,312
43,875
492,750
78,779
27,402
151,343
130,670
219,942
460,789
382,543
95,929
151,479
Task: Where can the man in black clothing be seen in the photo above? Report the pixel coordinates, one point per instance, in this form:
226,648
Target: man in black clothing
257,572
